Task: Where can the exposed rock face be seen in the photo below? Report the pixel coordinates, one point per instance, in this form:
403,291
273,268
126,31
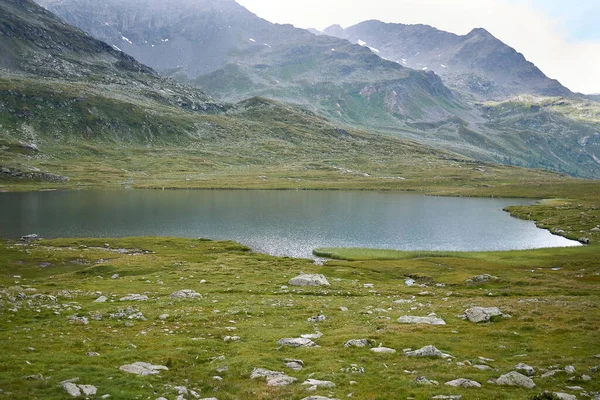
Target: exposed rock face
427,351
515,379
309,280
429,320
482,314
143,368
19,174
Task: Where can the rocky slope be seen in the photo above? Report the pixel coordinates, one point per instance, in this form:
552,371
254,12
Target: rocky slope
232,54
477,63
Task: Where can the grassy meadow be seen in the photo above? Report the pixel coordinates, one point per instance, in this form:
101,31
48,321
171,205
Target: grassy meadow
552,296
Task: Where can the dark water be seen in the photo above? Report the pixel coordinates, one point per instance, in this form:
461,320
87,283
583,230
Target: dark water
290,223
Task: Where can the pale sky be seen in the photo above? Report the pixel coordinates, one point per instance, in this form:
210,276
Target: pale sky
562,37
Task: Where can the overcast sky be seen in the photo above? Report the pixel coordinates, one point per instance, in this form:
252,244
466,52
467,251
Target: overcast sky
562,37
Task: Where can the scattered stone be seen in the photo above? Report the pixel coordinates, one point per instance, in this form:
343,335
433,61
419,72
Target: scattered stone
482,367
88,390
185,294
115,276
421,380
318,398
297,342
515,379
315,383
273,378
30,238
71,389
36,377
317,318
359,343
427,351
526,369
343,309
479,279
562,396
482,314
309,280
74,319
444,397
464,383
101,299
135,297
296,365
311,335
551,373
143,368
163,317
431,319
232,338
569,369
93,354
383,350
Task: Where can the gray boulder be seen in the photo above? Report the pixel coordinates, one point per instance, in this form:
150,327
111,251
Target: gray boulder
273,378
315,383
479,279
515,379
482,314
134,297
383,350
101,299
427,351
71,389
309,280
296,365
185,294
359,343
421,380
464,383
143,368
525,369
429,320
297,342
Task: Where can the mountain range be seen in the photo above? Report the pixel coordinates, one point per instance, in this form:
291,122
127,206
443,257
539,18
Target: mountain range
359,78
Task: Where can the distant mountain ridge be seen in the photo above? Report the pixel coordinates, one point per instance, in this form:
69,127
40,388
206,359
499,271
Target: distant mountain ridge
476,63
493,106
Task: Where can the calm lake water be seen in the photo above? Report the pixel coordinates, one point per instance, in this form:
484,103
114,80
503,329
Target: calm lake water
290,223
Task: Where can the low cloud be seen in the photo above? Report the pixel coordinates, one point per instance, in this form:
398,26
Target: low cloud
542,39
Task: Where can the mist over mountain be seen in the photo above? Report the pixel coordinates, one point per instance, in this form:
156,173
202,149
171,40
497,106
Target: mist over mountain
477,63
470,94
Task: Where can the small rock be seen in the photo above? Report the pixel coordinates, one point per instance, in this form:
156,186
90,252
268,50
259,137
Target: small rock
479,279
421,380
88,390
317,383
296,365
93,354
482,314
71,389
343,309
101,299
143,368
515,379
134,297
318,398
526,369
359,343
163,317
427,351
273,378
464,383
115,276
383,350
482,367
569,369
309,280
444,397
311,335
297,342
317,318
185,294
429,320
